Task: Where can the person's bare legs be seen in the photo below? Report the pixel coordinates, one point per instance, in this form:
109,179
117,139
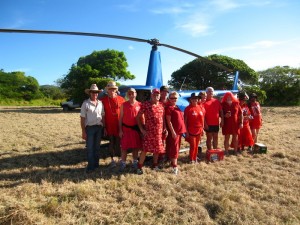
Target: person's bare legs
209,137
215,140
226,143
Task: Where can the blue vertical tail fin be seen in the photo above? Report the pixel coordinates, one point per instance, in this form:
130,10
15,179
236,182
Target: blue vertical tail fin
154,75
235,82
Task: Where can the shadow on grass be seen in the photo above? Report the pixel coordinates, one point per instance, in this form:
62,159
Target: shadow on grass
36,110
55,167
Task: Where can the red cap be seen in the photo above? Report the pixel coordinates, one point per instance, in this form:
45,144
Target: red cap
155,90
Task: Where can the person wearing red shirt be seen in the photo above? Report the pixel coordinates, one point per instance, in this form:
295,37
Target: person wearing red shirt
112,104
176,127
129,130
233,120
256,122
213,111
245,136
153,114
194,123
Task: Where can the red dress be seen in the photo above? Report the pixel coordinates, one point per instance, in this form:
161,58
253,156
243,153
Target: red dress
153,113
173,145
112,113
231,124
131,137
245,136
255,110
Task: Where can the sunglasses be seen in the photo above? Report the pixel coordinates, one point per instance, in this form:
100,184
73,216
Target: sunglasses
173,98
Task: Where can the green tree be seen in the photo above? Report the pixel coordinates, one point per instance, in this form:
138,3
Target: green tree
52,92
15,85
199,75
99,67
282,85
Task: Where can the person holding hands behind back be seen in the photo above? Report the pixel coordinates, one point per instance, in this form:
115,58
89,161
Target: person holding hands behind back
92,120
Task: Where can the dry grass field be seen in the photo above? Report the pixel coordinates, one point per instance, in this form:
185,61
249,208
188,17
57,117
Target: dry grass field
42,179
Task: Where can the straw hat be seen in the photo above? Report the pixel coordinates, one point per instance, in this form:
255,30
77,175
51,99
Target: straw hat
111,85
93,88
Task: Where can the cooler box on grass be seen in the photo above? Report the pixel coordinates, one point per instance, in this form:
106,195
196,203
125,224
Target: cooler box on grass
259,148
214,155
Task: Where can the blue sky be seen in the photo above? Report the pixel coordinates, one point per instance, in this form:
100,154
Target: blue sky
262,33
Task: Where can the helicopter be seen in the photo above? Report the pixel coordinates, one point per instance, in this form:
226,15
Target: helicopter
154,74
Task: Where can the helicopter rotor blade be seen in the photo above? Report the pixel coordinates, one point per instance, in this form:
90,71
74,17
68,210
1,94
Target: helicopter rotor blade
73,33
154,42
201,58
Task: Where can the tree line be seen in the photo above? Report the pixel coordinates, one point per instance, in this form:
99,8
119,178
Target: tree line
274,86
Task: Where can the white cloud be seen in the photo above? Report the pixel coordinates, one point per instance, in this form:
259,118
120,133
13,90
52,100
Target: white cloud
195,29
130,47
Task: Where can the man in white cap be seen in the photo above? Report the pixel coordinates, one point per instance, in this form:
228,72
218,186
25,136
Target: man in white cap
112,104
92,120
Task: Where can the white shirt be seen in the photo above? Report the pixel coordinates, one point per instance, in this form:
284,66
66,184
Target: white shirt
92,113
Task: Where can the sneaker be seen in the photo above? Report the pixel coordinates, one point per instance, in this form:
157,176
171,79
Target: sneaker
122,167
112,164
139,171
192,162
135,165
175,170
156,168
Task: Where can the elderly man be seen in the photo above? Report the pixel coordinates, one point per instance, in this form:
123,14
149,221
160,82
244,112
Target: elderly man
92,122
112,104
213,111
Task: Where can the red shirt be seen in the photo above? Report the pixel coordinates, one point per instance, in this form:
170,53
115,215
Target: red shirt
112,113
194,116
130,112
176,119
212,111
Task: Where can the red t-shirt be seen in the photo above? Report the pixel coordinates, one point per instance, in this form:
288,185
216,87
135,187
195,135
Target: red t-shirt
112,113
176,118
212,111
194,116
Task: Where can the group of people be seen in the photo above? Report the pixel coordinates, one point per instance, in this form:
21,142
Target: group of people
157,126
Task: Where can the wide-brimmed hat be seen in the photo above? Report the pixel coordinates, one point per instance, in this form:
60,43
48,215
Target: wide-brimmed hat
155,90
243,96
164,88
193,96
93,88
111,85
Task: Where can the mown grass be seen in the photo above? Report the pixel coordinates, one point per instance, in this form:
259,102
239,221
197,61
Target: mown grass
42,179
